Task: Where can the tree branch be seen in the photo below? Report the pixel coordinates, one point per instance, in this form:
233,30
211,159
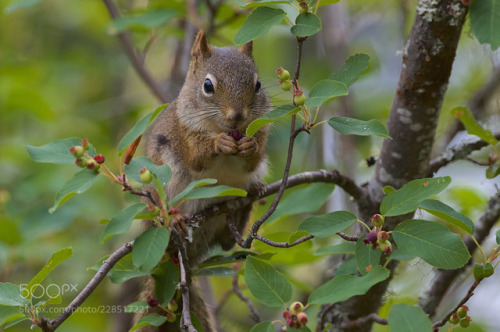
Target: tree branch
236,289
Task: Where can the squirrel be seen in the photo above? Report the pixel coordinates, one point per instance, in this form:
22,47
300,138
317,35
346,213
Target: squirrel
200,135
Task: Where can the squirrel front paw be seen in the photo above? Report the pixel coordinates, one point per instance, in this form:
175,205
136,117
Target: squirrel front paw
226,144
247,146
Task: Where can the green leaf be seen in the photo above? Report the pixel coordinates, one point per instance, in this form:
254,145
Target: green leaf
12,295
57,258
258,3
10,314
322,2
151,319
345,248
352,69
325,90
263,327
344,287
139,128
121,222
274,115
9,232
350,126
485,21
258,24
161,172
217,191
401,255
447,213
20,4
147,20
149,248
366,255
123,270
56,152
167,276
235,257
432,242
492,171
328,224
473,128
307,199
217,271
191,186
306,24
408,318
349,266
137,306
265,283
408,197
497,236
79,183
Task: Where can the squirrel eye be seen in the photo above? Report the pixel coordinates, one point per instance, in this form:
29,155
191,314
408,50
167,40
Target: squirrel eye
257,86
208,87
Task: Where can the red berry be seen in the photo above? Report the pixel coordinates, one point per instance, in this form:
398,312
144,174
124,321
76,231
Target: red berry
99,158
302,317
287,314
174,259
236,134
152,302
383,236
173,211
370,238
85,143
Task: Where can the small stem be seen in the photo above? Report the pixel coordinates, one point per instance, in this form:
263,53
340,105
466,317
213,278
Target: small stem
348,237
236,289
361,222
479,247
284,244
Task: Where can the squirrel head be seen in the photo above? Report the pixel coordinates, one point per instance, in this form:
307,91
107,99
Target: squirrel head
223,86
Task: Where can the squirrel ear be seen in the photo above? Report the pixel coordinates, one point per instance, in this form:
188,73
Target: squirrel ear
247,48
201,46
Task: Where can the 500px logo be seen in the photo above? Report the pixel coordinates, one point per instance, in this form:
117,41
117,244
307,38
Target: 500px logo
52,290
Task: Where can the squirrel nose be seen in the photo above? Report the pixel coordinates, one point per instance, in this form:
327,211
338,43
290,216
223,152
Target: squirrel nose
235,116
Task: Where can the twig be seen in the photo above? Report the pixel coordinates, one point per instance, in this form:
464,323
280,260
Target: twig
134,58
186,324
236,289
373,317
107,265
348,237
283,244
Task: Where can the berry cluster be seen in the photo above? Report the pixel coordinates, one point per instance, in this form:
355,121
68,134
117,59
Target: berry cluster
284,78
83,160
378,238
295,316
169,310
461,317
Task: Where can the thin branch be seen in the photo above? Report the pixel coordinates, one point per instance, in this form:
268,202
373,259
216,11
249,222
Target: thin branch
254,313
363,320
283,244
134,58
186,324
107,265
348,237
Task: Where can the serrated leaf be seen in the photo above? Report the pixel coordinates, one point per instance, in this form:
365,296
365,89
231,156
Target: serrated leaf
216,191
263,327
138,129
408,197
258,3
167,276
151,319
149,248
306,24
325,90
473,128
20,4
352,69
485,21
307,199
344,248
56,152
148,20
79,183
12,295
10,314
432,242
408,318
191,186
344,287
121,222
328,224
258,24
57,258
265,283
161,172
366,255
401,255
350,126
447,213
273,116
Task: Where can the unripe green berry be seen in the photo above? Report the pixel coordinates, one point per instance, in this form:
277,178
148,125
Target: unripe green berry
377,220
296,307
283,74
93,165
383,236
303,7
464,322
146,175
77,151
81,162
462,311
298,98
171,317
286,85
454,319
172,306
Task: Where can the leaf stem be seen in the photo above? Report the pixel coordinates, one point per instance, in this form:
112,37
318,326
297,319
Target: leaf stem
479,247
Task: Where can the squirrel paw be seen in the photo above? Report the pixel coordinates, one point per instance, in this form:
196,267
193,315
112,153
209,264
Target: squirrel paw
179,225
258,189
226,144
247,146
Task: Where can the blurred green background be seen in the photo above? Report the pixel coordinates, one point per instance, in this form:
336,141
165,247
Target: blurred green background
63,75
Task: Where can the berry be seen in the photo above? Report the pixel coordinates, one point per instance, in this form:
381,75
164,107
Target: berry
174,259
454,319
172,306
171,317
146,175
303,7
152,302
99,158
371,238
462,311
77,151
235,134
173,211
93,165
287,314
283,74
298,98
383,236
464,322
385,246
81,162
286,85
85,144
296,307
302,317
377,220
